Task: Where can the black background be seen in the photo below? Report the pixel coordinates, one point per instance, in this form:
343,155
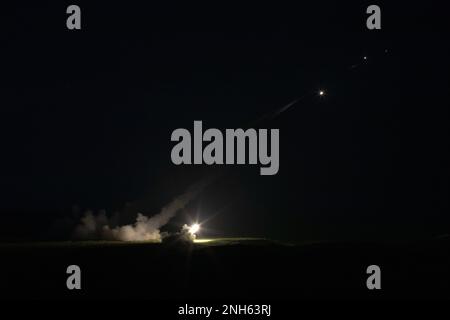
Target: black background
86,116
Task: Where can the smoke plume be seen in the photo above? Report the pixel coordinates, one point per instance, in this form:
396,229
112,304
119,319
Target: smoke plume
94,227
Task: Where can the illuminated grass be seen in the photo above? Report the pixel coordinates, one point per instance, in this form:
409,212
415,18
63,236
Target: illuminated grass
104,243
234,241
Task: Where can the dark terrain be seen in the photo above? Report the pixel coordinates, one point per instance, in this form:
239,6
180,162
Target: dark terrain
226,269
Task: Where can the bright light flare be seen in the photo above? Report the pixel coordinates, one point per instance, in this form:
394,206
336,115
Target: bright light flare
193,229
203,240
321,93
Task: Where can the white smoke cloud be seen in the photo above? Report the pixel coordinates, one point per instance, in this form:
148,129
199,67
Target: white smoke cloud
186,233
93,227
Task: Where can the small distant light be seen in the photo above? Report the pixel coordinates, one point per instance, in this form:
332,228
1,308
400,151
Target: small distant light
365,57
321,93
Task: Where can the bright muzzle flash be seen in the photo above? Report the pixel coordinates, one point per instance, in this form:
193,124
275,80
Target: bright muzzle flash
193,229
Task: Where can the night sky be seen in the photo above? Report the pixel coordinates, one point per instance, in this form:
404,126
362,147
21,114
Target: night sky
86,116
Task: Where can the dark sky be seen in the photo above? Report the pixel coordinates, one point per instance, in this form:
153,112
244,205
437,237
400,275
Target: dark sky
86,116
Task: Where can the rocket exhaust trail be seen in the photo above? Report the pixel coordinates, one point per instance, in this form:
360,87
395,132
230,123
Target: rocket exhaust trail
270,116
273,114
149,227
